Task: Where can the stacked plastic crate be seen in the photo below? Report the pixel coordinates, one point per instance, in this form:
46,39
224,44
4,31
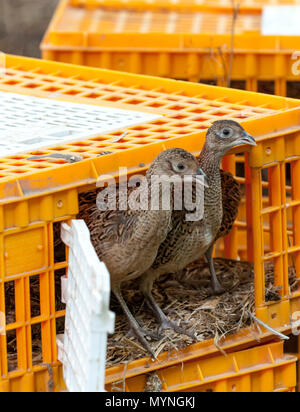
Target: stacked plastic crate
187,40
39,189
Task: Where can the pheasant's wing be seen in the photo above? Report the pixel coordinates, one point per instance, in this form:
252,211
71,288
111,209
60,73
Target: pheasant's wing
107,227
231,195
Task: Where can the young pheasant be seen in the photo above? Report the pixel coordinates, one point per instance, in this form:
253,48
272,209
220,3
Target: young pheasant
128,240
188,241
231,199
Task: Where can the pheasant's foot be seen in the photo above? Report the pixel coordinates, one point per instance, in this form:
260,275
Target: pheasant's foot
164,322
168,324
217,288
146,334
141,334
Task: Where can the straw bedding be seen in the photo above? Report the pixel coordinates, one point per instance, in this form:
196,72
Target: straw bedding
184,296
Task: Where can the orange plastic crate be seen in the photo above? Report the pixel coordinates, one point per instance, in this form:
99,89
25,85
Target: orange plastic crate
194,5
175,40
261,369
37,194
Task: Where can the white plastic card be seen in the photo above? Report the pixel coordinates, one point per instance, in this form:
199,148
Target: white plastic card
86,292
281,21
31,123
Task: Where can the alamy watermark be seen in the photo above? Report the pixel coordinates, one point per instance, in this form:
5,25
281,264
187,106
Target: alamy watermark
158,192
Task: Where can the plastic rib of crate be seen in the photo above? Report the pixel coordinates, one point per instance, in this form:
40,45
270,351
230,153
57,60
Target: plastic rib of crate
39,189
193,5
179,44
261,369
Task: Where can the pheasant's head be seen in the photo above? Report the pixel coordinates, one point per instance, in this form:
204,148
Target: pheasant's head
223,135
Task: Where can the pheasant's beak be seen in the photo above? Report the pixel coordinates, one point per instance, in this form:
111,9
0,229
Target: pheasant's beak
246,139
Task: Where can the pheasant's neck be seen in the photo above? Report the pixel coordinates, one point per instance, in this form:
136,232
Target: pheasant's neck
210,162
155,216
160,193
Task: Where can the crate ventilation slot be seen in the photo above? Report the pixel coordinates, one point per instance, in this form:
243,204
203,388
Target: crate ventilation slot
31,123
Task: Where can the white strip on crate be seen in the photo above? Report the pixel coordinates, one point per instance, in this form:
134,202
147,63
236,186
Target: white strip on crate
281,21
31,123
86,292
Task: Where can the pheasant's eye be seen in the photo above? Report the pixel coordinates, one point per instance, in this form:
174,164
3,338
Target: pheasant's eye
227,132
179,167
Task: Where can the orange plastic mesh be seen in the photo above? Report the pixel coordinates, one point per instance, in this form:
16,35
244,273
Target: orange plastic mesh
186,4
266,230
183,114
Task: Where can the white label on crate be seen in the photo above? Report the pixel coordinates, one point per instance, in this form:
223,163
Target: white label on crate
281,21
31,123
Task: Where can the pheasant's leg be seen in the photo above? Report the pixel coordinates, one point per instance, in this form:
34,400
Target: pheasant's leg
138,332
165,323
153,335
216,286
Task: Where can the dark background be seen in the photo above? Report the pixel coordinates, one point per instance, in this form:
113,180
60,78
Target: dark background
23,24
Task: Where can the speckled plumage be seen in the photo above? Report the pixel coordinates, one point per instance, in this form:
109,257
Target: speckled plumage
128,240
231,199
188,241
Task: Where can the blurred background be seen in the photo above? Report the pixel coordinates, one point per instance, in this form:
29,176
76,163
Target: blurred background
23,24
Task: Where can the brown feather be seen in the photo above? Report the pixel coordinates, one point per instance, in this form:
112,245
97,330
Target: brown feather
231,198
188,241
128,240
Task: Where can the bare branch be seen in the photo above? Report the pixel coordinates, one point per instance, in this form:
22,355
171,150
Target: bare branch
236,9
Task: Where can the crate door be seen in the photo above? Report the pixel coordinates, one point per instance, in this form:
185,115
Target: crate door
86,292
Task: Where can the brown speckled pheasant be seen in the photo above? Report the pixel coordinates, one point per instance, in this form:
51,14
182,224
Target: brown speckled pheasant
128,240
231,199
188,241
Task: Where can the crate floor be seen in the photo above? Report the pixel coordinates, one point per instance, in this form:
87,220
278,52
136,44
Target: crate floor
185,297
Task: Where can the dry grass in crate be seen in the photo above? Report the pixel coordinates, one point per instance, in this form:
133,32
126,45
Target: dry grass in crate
184,296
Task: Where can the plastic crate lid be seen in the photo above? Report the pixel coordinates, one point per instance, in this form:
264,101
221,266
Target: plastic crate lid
66,28
29,123
183,4
187,111
77,24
